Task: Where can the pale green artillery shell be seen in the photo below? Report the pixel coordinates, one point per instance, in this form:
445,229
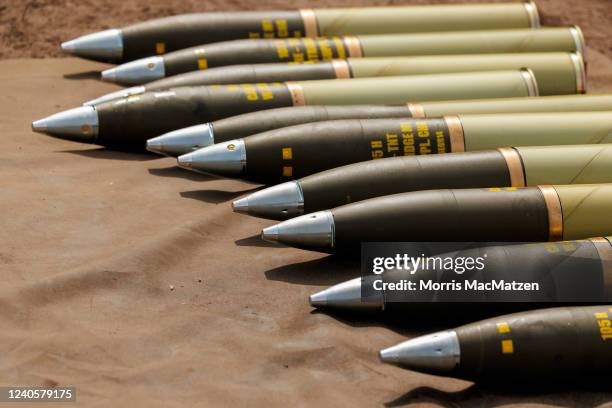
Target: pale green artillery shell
517,105
401,19
396,90
484,132
557,73
581,164
568,39
587,210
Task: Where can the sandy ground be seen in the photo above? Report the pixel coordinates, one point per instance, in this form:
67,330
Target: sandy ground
132,279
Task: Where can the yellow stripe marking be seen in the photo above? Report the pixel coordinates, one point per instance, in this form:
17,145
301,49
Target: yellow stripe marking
287,153
160,48
601,315
202,64
503,328
507,346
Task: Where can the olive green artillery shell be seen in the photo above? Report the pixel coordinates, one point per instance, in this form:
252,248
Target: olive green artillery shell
301,150
556,73
484,132
568,271
130,122
470,85
360,181
497,214
247,74
261,121
300,50
177,32
586,209
374,20
571,164
560,343
566,103
248,124
474,42
445,215
295,50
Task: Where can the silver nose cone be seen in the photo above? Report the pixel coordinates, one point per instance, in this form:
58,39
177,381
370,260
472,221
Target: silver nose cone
314,230
136,72
182,141
123,93
345,295
224,159
76,124
103,45
434,353
185,161
279,202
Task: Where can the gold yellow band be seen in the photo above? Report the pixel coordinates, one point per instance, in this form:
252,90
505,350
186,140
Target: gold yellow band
515,166
555,214
455,132
416,110
297,93
310,23
353,45
341,68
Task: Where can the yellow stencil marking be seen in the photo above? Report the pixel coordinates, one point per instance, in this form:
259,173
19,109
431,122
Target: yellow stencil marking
287,171
551,247
281,28
281,50
160,48
267,25
503,328
568,246
504,188
287,153
202,63
507,347
340,48
605,325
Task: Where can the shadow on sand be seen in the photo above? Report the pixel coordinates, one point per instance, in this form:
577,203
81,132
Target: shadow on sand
215,196
111,154
83,75
566,394
256,241
177,172
328,270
